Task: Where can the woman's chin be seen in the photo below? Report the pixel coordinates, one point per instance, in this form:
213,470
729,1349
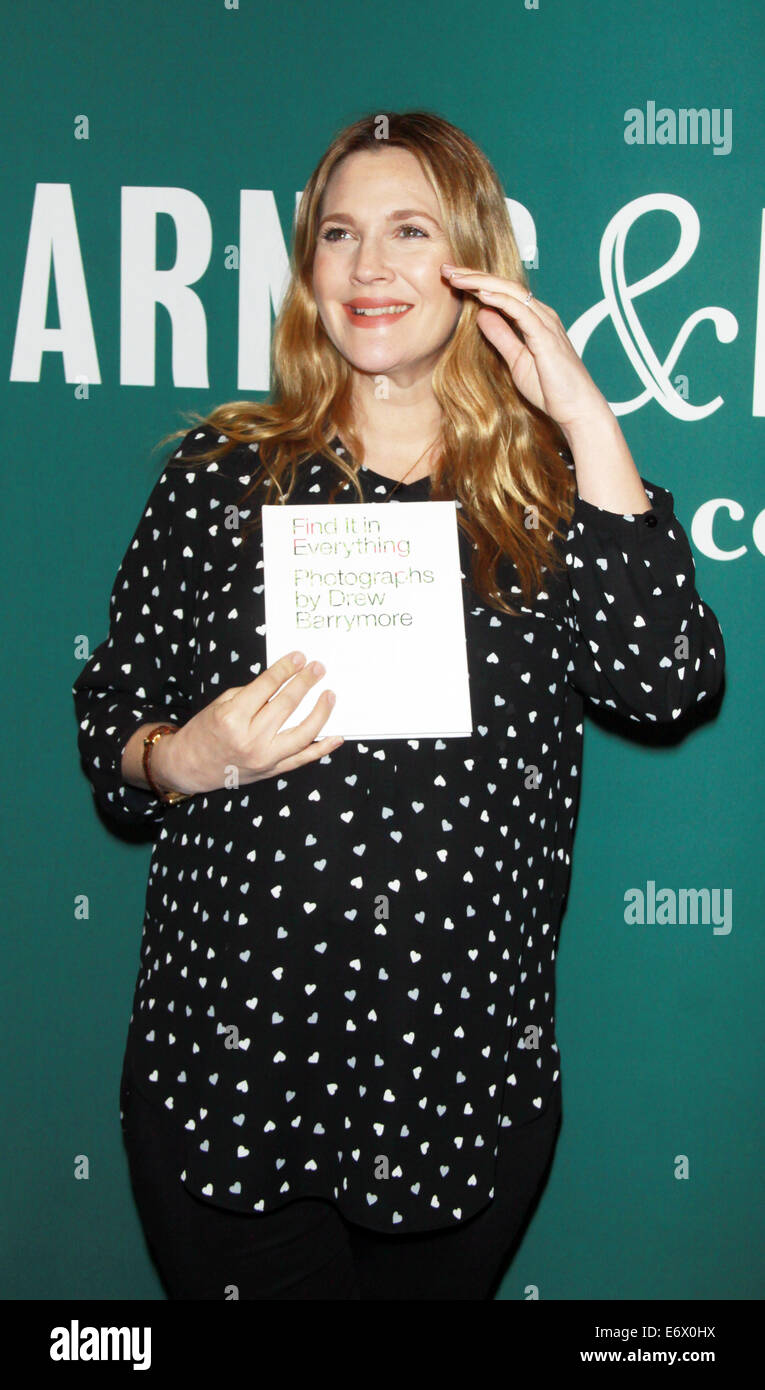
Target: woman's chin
378,358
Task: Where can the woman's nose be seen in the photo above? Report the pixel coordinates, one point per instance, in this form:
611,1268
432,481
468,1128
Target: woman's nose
370,260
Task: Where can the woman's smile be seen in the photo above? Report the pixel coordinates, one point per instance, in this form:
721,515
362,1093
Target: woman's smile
372,313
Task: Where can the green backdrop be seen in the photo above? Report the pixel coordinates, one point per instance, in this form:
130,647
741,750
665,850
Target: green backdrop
661,1043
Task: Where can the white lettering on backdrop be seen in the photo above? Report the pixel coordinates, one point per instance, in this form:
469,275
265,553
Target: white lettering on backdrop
53,251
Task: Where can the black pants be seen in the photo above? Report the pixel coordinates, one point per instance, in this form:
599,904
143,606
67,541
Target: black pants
306,1249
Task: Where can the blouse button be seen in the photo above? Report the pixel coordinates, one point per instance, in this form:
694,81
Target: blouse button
651,519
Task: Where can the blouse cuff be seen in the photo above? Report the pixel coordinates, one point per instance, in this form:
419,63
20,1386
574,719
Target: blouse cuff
639,526
123,799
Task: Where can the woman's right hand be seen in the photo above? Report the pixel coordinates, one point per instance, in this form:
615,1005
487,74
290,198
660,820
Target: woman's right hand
241,729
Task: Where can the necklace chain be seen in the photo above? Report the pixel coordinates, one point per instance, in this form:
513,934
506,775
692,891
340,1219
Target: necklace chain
399,482
408,471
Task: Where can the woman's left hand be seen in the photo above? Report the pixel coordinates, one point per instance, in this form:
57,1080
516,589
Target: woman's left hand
546,368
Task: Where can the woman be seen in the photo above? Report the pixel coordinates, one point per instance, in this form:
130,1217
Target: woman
341,1075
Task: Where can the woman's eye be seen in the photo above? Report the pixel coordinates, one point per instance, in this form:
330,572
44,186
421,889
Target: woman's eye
333,233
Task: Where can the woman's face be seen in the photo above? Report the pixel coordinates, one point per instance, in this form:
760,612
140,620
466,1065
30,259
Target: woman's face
380,243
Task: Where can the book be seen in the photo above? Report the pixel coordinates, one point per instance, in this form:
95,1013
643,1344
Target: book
373,590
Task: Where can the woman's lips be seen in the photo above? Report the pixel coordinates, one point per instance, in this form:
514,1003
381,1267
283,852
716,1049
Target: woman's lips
373,320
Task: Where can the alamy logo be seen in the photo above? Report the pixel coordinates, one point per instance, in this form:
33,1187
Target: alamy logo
672,908
75,1343
688,126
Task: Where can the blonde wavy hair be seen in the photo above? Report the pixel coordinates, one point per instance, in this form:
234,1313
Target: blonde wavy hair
497,454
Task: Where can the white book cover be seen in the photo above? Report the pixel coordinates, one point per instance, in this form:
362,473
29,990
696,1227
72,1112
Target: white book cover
373,590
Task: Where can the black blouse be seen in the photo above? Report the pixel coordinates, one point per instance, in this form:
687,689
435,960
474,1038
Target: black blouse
346,985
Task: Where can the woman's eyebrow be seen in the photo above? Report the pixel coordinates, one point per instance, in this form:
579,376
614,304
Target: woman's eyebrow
391,216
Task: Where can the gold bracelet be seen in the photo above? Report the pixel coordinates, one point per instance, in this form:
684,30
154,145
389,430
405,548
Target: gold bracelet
148,743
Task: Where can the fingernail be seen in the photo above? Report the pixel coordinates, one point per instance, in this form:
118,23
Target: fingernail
297,657
330,697
317,668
